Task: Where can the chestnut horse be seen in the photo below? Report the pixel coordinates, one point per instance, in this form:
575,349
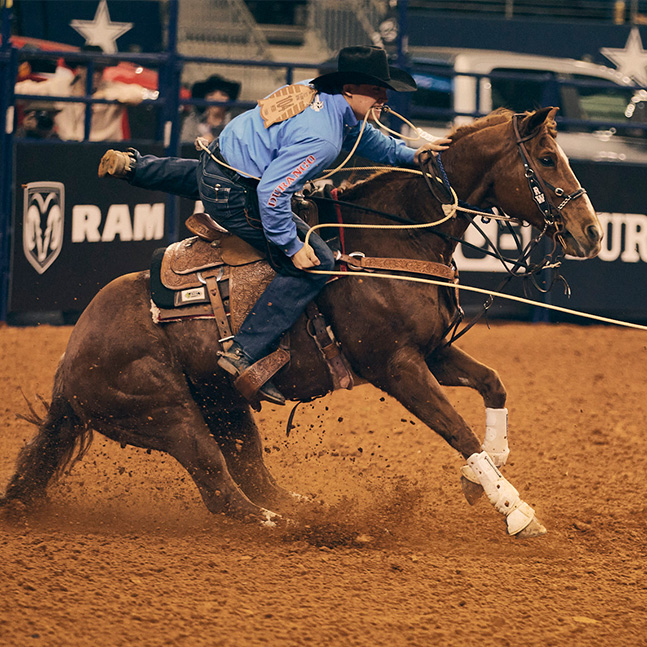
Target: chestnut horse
159,387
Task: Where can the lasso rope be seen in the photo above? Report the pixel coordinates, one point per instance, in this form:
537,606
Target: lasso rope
421,134
470,288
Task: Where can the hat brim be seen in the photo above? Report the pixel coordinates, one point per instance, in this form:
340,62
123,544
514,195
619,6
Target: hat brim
202,88
400,80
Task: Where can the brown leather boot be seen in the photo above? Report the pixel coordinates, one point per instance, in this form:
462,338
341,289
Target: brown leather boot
235,362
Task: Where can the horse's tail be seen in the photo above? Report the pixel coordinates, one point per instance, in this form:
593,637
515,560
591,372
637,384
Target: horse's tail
61,440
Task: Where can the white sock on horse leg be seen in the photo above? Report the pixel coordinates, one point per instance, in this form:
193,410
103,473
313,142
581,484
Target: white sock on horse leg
495,442
501,493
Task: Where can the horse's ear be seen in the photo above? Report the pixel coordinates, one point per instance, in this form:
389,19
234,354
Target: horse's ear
535,120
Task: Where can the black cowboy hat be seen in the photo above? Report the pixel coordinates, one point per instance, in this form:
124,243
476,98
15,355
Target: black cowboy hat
215,82
366,65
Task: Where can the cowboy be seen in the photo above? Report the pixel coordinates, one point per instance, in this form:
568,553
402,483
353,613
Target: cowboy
282,156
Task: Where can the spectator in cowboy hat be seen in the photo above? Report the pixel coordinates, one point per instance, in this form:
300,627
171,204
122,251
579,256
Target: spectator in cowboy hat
208,121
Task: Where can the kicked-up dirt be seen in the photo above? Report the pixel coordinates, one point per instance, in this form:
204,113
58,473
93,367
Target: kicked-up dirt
125,553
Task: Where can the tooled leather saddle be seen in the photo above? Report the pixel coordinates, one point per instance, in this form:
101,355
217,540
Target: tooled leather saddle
215,275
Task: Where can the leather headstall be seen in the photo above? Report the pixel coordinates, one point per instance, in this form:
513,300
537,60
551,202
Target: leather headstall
538,186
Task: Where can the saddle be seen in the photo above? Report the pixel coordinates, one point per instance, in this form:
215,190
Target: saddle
216,275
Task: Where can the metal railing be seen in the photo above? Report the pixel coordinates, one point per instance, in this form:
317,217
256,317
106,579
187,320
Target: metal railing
340,23
610,11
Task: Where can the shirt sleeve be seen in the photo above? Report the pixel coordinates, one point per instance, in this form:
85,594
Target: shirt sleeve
286,174
378,147
56,86
130,93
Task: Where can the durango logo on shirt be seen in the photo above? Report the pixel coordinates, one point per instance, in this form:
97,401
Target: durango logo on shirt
290,179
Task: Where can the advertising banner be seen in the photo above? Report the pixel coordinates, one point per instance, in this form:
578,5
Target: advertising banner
72,232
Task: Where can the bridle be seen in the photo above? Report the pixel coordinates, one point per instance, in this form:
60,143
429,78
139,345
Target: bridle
550,212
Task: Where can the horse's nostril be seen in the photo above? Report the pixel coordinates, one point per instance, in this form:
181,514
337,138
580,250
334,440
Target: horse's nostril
593,233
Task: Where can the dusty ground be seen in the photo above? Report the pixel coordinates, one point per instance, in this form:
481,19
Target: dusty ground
126,554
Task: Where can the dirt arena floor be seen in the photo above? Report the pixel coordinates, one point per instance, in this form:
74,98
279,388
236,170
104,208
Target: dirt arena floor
125,553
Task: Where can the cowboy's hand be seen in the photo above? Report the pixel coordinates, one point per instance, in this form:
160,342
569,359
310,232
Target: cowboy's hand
305,258
201,143
429,148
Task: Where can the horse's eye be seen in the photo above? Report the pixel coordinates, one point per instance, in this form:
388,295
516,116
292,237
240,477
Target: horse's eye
547,161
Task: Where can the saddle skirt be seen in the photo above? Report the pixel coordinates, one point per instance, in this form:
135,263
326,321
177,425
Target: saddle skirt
236,267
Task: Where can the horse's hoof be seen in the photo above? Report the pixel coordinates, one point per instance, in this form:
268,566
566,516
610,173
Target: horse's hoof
472,491
534,529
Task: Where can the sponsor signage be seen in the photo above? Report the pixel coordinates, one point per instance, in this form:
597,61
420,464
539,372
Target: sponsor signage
42,223
610,285
72,232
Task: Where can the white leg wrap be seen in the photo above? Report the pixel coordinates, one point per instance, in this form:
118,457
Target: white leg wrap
496,435
501,493
468,473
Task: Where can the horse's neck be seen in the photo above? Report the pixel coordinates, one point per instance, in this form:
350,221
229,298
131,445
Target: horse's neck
470,164
413,201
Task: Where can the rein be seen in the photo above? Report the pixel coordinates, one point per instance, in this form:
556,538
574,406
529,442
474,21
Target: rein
406,222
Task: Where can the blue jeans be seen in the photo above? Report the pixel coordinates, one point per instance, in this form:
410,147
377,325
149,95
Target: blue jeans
232,202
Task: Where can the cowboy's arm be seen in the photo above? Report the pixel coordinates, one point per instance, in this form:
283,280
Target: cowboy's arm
379,147
286,174
389,150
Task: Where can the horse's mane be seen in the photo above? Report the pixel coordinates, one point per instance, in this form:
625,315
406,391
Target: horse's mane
349,186
498,116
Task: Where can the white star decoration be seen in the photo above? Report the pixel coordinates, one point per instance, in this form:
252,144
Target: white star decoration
101,31
632,60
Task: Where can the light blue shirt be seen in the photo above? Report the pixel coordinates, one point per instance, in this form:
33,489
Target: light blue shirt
288,154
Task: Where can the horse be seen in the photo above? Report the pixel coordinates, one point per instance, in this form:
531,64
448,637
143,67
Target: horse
159,387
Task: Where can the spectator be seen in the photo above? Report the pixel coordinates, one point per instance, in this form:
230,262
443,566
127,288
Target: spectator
108,119
210,120
38,121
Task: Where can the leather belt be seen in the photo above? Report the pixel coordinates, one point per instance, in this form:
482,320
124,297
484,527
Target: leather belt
231,174
412,266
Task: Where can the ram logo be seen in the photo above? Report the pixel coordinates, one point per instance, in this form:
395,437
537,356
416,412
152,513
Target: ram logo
42,226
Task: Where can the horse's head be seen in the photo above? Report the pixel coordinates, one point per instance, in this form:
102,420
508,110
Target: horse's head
531,179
